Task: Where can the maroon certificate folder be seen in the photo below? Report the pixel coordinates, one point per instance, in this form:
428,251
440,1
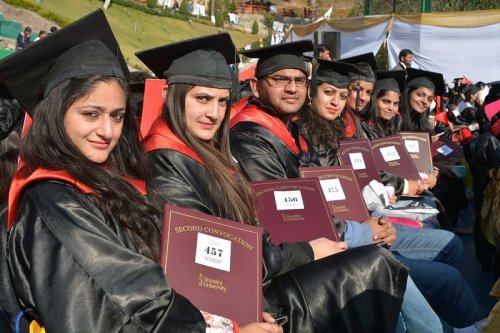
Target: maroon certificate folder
358,155
215,263
293,210
419,147
341,190
391,155
444,150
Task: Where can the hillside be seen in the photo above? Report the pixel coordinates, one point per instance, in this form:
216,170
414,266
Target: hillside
135,30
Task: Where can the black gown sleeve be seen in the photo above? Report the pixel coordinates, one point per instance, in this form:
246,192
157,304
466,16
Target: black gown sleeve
10,115
389,179
256,157
79,272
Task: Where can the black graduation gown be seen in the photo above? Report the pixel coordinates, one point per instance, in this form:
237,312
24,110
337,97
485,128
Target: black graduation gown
318,296
93,280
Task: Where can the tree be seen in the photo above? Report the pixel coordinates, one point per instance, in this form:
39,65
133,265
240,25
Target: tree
255,28
151,3
219,19
183,8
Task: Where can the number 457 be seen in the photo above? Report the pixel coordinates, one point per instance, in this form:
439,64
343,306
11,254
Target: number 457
213,251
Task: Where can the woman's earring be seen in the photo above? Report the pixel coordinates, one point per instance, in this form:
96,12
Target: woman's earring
309,103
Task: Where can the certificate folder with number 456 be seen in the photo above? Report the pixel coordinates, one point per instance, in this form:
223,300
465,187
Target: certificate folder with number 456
294,210
213,262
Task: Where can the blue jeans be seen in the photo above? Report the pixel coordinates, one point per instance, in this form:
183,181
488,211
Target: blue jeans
433,257
416,314
429,244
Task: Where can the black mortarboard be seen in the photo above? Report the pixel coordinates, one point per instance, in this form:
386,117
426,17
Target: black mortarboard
366,64
280,56
390,80
86,47
335,73
202,61
420,78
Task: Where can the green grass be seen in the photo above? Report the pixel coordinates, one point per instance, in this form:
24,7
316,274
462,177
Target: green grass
136,30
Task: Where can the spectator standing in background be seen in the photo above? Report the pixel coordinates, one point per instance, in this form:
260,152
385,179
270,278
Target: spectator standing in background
405,60
42,34
23,39
323,52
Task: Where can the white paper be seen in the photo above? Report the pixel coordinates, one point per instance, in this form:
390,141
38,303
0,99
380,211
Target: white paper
412,146
357,161
213,252
445,150
332,189
288,200
389,153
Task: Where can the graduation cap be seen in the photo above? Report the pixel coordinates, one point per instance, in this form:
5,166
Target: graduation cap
280,56
390,80
202,61
420,78
84,48
335,73
366,64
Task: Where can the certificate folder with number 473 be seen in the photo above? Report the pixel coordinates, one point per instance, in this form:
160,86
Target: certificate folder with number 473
213,262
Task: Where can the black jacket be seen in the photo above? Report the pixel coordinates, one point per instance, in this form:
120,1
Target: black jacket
77,271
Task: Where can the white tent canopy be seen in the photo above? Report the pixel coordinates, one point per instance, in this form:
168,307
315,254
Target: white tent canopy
455,44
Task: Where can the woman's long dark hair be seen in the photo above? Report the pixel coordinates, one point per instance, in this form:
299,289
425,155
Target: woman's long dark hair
9,154
372,117
230,191
411,120
47,145
322,132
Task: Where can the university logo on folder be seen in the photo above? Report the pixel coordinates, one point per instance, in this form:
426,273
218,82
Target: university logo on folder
294,210
358,155
341,190
215,263
390,155
419,147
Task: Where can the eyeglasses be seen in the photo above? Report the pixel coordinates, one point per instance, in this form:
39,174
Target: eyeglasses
285,81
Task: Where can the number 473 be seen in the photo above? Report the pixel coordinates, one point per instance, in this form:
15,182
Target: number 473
213,251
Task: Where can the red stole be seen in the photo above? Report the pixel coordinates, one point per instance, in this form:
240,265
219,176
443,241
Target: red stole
160,136
253,113
20,182
350,128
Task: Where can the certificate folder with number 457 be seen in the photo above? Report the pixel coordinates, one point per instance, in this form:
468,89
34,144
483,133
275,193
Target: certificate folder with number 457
213,262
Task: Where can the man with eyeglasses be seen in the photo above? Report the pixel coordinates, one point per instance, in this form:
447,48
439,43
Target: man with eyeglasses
264,140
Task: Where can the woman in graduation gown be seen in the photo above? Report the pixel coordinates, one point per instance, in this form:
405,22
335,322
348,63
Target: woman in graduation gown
84,238
382,118
193,168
